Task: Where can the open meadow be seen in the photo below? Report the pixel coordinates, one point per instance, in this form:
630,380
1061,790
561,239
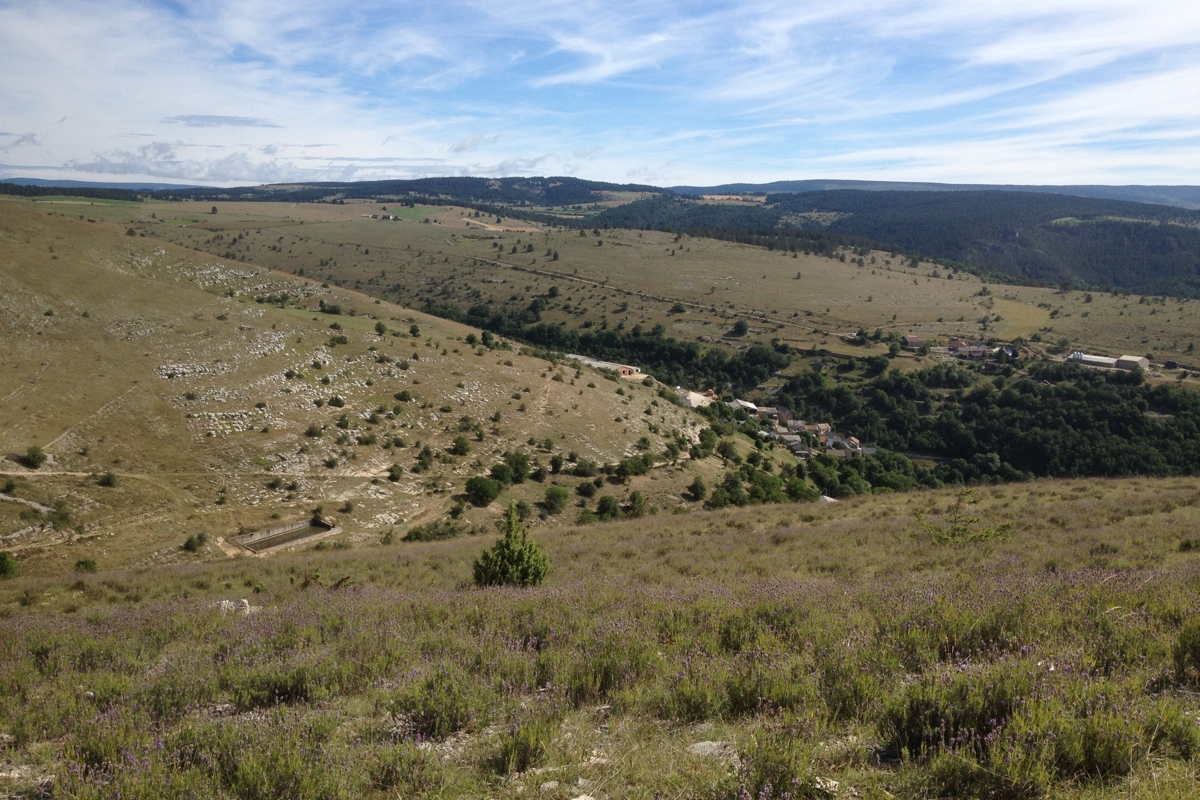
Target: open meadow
1022,641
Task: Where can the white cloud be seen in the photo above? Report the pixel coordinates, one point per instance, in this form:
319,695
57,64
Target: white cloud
682,91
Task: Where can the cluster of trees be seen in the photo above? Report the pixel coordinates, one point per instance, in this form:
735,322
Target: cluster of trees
670,360
1058,420
757,225
98,192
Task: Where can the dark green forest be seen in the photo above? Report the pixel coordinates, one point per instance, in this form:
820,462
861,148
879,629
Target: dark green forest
670,360
1056,420
1021,237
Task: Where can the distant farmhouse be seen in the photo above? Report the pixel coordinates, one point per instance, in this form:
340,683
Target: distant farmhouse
1129,363
622,370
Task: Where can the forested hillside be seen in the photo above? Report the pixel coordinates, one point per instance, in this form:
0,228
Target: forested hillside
1181,196
1016,236
517,191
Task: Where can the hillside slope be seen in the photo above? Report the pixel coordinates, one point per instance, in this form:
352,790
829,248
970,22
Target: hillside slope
1025,641
1015,236
219,398
1180,196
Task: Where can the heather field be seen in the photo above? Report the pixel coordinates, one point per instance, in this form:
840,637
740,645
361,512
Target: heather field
1020,641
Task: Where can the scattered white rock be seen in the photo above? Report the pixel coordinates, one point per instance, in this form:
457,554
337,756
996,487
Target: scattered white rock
548,786
827,785
242,607
722,750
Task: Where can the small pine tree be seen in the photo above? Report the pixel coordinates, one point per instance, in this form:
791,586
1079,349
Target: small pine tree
514,560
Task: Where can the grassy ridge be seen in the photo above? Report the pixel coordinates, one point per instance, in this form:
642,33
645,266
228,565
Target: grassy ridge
1035,644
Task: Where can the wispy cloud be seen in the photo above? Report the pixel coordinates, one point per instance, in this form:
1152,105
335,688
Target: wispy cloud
219,121
666,90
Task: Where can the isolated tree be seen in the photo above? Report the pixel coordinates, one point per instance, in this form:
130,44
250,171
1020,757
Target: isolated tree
697,490
608,507
514,560
482,491
34,457
556,499
214,210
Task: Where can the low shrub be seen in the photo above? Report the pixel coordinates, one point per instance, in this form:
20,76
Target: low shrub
524,745
408,770
8,564
1187,653
958,712
441,704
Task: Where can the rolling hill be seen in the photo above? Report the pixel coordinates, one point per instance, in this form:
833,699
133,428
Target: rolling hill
177,394
1015,236
1181,196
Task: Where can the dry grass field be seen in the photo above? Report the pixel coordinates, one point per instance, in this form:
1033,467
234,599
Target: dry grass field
632,278
216,413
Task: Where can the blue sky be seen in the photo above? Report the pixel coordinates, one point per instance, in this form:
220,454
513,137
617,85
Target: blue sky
248,91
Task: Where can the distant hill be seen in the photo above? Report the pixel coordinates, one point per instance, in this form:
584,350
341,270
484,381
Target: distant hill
65,184
1018,236
538,191
1182,196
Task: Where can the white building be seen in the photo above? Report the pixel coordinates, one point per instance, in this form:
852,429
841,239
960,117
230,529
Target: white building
1133,362
1089,360
624,370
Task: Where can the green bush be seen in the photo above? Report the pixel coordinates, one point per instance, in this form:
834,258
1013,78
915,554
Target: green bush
1187,653
194,542
409,770
34,457
8,564
604,667
514,560
775,766
556,499
442,704
482,491
524,745
962,711
85,565
434,531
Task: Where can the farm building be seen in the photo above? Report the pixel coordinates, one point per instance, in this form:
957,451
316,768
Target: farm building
1089,360
914,342
745,405
623,370
1133,362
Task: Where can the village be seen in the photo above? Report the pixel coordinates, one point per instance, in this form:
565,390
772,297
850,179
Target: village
805,438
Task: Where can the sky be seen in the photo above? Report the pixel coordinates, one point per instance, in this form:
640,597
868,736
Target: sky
240,92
